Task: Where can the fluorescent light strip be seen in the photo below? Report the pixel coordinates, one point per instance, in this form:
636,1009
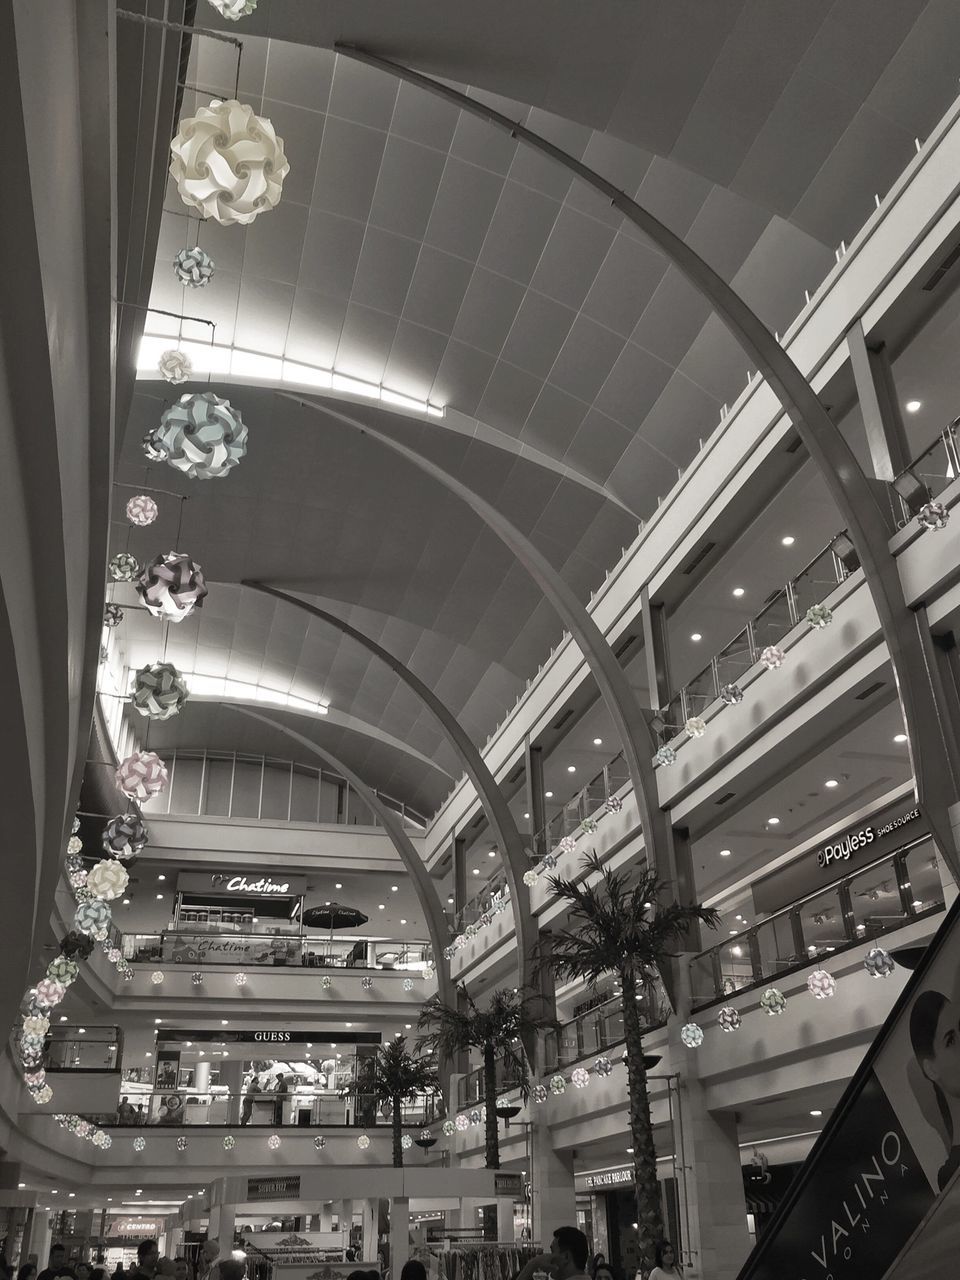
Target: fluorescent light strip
244,691
257,367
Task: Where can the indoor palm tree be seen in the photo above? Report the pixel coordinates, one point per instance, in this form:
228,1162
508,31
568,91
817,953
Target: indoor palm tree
393,1077
497,1030
621,925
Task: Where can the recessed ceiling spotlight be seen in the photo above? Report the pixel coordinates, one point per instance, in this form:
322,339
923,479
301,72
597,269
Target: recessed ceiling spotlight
696,637
402,921
63,1017
394,888
161,877
126,902
224,1023
816,1113
831,782
598,742
338,885
526,815
733,933
913,406
381,906
773,822
571,768
725,853
899,737
492,853
476,871
548,795
349,1024
159,897
788,540
738,592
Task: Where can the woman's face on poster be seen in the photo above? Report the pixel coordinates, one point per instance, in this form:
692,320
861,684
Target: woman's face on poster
943,1067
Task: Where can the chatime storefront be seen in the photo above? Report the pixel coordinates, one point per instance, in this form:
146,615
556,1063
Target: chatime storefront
225,917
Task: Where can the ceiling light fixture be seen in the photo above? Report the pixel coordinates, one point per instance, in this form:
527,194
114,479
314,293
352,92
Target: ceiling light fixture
913,406
598,742
476,871
548,795
773,822
696,637
738,592
899,737
831,783
571,768
788,540
816,1113
725,853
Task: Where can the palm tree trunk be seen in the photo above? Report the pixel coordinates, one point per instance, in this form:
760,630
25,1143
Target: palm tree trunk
649,1215
492,1136
397,1120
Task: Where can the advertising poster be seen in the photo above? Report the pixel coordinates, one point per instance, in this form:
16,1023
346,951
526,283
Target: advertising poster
878,1179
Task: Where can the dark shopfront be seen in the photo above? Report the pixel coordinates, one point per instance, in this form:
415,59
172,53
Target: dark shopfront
609,1216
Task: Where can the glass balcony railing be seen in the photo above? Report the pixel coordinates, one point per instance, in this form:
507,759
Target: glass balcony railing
303,1107
600,1029
929,474
232,785
76,1048
273,950
864,905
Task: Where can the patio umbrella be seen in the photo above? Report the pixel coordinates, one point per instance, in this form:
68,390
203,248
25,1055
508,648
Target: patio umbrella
333,916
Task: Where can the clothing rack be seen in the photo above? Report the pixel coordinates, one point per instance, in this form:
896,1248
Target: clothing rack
479,1260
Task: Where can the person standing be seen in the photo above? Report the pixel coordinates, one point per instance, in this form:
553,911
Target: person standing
148,1255
58,1260
249,1097
666,1266
281,1091
567,1259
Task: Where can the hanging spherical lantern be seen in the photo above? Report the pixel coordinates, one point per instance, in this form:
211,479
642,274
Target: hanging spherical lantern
326,982
35,1079
319,1142
406,1142
108,879
449,1128
821,984
547,863
367,984
77,879
579,1077
603,1066
613,804
449,952
141,776
139,1144
75,825
125,836
567,845
181,1144
229,1142
76,944
665,756
408,984
462,1122
879,963
112,615
273,1142
363,1142
93,918
156,977
773,1001
196,979
172,586
818,616
731,694
240,979
62,970
73,862
49,992
530,878
933,515
159,691
728,1019
589,826
692,1035
30,1049
772,657
74,845
123,567
228,163
539,1093
42,1095
114,955
696,727
142,510
36,1024
193,267
201,435
558,1084
174,366
233,10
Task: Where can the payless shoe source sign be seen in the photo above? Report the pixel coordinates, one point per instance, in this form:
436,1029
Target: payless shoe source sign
830,860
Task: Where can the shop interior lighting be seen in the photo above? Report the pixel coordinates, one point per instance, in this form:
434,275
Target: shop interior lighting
253,366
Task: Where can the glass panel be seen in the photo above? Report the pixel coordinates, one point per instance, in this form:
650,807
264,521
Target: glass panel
275,801
700,691
217,781
305,798
330,801
774,622
246,787
815,582
875,900
822,922
736,967
734,659
922,881
185,790
937,466
777,948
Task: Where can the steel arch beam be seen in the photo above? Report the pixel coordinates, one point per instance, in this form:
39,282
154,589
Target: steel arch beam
933,745
625,711
491,797
426,890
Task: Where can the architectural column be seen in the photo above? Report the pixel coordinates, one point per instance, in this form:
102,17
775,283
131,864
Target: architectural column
370,1216
41,1237
399,1233
221,1226
231,1075
533,766
505,1230
174,1241
879,407
553,1193
656,650
345,1216
459,874
326,1216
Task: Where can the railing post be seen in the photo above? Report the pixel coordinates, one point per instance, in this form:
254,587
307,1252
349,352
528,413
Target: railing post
903,884
756,959
717,971
751,641
846,910
791,595
796,930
